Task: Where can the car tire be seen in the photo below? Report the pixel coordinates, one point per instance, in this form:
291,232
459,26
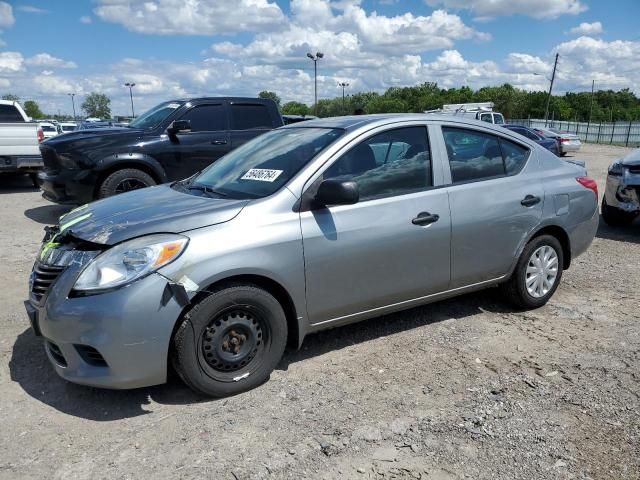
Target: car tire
124,180
519,290
614,217
230,341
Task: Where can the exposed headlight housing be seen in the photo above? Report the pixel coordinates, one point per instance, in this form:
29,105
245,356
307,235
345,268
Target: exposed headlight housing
130,261
616,169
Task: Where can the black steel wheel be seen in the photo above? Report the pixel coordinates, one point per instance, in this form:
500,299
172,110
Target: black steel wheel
230,341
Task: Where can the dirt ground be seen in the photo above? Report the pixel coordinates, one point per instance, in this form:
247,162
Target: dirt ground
464,388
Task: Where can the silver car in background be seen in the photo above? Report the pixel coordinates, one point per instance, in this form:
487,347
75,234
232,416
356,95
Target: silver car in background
621,201
308,227
567,142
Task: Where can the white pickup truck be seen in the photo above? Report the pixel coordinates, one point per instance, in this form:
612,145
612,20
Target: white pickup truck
19,140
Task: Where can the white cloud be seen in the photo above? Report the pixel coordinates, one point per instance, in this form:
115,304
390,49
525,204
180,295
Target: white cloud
587,28
86,19
52,85
11,62
4,83
6,15
524,63
46,60
165,17
31,9
497,8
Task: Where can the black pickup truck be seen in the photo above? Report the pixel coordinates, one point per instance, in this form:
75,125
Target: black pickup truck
171,141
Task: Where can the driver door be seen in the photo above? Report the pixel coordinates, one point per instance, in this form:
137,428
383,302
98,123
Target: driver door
372,254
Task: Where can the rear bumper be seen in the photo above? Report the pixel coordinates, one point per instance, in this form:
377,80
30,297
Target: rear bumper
67,186
23,163
569,148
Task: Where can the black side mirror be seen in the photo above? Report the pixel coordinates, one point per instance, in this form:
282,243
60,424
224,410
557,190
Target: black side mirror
337,192
178,126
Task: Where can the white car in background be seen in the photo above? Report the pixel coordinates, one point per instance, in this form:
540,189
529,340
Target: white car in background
67,127
567,142
49,129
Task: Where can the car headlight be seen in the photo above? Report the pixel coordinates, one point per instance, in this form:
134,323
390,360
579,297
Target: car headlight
616,169
130,261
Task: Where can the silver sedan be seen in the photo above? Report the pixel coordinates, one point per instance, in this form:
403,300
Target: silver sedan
308,227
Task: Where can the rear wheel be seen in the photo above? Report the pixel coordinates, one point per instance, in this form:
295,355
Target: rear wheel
615,217
124,180
537,274
231,341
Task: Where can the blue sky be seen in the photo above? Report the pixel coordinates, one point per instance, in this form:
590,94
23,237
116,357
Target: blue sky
50,48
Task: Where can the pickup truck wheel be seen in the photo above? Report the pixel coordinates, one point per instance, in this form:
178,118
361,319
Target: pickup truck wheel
614,217
124,180
230,341
537,274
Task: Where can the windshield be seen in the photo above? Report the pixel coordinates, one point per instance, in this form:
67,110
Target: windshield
157,114
499,119
260,167
47,128
68,128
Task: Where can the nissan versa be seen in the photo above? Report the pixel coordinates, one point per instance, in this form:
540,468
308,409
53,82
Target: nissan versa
307,227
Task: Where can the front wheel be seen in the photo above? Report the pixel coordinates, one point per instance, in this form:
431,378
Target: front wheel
124,180
231,341
537,274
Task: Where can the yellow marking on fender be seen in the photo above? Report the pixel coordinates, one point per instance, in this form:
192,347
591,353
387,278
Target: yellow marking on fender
75,210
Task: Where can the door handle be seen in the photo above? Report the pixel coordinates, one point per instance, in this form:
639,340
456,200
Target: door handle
218,142
530,201
425,218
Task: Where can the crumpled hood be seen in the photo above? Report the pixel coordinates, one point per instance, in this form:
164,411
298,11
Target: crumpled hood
150,210
632,159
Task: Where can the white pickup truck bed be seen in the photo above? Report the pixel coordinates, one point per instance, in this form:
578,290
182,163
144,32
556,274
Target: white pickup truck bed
19,145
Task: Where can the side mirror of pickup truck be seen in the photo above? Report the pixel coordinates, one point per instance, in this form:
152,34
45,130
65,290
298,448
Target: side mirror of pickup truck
178,126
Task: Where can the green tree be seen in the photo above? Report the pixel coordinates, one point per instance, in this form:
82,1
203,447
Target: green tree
295,108
32,109
97,105
11,97
271,95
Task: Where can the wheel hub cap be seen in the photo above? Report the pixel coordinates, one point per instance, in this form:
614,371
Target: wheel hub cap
542,271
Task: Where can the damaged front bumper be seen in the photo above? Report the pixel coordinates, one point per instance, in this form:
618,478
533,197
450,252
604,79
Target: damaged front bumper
623,192
116,339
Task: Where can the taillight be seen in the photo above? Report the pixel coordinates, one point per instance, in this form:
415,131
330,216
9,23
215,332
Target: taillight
40,135
589,183
562,139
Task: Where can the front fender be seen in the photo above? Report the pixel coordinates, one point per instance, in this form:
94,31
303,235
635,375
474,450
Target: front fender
132,159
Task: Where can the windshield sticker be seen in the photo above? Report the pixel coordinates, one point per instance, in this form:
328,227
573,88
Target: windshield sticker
173,105
261,174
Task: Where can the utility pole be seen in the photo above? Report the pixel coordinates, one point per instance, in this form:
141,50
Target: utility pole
593,84
73,104
553,76
131,85
343,85
315,59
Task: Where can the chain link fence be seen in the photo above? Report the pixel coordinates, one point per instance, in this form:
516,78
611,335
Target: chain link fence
611,133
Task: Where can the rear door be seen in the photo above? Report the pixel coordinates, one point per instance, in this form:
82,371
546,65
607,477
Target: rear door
382,250
207,141
496,199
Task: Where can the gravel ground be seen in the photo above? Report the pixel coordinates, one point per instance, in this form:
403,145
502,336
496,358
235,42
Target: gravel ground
464,388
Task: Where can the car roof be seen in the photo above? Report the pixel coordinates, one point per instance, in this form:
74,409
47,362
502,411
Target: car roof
353,122
228,99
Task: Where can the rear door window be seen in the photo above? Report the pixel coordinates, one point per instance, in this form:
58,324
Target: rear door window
250,116
475,155
9,113
206,118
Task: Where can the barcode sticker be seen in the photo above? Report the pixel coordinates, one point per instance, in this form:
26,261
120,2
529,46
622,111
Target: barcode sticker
261,174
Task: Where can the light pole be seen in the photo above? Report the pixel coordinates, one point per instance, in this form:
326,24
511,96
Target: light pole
315,59
131,85
73,104
343,85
